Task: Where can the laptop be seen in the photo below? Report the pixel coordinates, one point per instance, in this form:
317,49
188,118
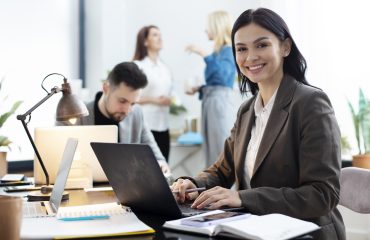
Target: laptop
137,180
50,208
52,153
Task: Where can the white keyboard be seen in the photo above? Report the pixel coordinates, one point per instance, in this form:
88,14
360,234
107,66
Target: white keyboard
34,209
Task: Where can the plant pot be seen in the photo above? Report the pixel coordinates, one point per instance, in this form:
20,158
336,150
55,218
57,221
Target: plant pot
3,164
361,161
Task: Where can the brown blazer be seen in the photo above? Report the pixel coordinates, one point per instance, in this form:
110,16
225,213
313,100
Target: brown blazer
297,167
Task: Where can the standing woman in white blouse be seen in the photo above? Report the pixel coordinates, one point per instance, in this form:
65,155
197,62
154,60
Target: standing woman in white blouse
156,96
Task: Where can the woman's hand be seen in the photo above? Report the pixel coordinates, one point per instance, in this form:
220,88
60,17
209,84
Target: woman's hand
216,198
164,167
164,101
191,48
181,185
192,91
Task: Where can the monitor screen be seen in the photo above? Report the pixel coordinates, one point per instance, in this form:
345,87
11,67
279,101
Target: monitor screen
50,142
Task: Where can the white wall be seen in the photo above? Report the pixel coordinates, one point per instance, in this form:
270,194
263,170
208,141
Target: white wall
41,36
38,37
181,23
331,34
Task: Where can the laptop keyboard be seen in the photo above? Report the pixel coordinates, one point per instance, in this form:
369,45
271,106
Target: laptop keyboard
186,209
33,209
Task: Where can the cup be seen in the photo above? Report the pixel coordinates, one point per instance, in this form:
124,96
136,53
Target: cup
191,124
10,217
3,164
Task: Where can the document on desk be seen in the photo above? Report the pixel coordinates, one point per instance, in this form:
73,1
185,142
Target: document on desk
265,227
85,224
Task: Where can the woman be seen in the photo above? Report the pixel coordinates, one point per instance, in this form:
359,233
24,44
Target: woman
283,153
218,108
156,96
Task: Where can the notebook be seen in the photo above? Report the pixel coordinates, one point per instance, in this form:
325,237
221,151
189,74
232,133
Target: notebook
50,208
266,227
137,180
70,223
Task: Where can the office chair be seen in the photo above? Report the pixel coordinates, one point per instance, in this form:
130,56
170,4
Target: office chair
355,189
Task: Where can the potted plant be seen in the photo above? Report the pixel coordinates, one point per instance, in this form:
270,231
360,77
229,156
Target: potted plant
361,121
4,140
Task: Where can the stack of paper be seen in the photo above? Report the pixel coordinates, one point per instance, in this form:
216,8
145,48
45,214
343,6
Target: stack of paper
124,224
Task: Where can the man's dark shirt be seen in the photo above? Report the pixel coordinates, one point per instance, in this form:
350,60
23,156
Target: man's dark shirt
100,119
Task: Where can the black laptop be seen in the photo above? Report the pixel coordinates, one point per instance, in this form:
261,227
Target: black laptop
137,180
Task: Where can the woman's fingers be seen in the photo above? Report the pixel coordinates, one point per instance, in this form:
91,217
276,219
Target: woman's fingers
179,190
216,198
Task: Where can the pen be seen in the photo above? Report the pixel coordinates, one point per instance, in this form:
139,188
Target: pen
191,190
85,218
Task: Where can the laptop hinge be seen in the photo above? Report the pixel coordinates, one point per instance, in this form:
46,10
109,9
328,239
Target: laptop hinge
50,209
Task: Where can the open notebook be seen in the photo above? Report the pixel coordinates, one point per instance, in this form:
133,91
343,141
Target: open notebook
120,221
265,227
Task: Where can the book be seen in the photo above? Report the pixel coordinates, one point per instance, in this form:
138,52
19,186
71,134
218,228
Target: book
121,221
265,227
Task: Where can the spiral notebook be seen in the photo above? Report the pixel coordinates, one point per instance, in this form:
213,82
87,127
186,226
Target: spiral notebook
94,211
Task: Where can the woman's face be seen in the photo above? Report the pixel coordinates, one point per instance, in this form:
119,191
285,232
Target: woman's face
154,40
209,34
260,54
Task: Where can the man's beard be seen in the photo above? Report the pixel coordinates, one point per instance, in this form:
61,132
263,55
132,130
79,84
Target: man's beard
117,117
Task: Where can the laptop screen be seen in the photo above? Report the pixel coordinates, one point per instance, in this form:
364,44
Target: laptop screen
50,142
61,179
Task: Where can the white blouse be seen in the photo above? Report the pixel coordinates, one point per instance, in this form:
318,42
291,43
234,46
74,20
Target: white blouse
262,114
159,84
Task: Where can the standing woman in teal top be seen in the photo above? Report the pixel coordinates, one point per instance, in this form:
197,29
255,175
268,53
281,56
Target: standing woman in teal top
218,108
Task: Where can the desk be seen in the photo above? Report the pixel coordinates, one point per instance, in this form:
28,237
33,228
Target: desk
80,197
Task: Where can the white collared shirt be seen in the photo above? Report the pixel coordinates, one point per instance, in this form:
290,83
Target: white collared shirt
159,84
262,114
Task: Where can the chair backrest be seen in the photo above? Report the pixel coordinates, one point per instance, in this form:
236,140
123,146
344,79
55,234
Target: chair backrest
355,189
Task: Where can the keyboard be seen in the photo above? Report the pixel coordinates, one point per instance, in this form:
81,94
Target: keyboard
33,209
186,209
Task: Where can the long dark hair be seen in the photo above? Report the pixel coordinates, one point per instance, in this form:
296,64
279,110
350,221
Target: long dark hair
141,51
294,64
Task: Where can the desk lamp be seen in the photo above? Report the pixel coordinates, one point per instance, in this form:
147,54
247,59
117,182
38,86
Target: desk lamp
69,108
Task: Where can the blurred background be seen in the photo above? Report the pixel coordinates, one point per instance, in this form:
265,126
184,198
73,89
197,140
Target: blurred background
84,40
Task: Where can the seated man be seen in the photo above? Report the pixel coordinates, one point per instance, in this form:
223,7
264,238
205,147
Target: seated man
116,105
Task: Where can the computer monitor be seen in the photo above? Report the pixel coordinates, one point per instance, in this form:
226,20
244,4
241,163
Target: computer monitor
50,142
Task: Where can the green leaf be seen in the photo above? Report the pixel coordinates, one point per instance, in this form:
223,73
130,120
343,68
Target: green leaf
6,115
4,141
356,124
365,127
177,109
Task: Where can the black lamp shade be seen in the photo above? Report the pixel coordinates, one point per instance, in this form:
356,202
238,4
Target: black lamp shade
69,107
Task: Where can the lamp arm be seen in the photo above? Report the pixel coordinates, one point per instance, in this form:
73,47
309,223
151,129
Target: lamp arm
53,91
22,118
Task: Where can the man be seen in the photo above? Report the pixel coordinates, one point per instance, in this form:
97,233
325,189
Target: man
116,105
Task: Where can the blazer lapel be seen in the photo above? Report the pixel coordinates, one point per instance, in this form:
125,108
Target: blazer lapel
246,124
276,120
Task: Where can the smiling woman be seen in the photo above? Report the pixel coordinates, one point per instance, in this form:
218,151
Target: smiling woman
287,128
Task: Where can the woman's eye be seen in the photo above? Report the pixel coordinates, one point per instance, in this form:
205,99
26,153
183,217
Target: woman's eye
262,45
241,49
